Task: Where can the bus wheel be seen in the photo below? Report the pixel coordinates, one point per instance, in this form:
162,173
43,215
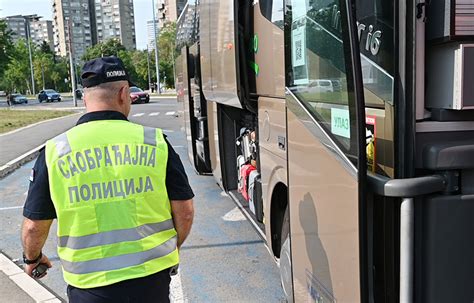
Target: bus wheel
285,258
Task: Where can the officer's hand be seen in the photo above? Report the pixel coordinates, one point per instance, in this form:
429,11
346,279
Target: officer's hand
29,267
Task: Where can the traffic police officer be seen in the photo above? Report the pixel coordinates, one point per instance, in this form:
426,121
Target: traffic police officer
120,195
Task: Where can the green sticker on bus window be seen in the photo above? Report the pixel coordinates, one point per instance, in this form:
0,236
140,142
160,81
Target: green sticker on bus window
340,122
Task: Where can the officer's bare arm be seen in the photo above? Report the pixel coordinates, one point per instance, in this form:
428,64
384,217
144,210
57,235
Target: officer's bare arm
183,214
33,235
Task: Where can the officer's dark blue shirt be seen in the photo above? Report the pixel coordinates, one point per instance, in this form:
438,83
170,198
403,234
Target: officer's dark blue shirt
39,206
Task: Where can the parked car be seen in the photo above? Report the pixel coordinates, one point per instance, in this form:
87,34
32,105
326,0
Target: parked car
49,95
320,86
18,99
138,95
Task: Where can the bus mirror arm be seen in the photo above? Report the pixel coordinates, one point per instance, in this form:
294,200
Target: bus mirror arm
405,188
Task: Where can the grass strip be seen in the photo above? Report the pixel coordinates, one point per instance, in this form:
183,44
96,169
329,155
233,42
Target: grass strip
11,119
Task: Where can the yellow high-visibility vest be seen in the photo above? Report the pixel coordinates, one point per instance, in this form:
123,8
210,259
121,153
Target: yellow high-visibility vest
107,183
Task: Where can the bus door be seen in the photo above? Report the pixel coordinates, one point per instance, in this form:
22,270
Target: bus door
326,154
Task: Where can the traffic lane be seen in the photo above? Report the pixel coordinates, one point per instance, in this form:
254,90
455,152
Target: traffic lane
13,189
222,260
163,113
65,102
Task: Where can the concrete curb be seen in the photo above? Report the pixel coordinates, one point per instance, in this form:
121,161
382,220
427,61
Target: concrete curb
29,285
19,161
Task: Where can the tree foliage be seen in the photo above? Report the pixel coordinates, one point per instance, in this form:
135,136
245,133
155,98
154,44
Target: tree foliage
52,71
110,47
6,49
167,53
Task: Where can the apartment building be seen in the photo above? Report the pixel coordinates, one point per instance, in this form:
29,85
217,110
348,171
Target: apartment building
115,19
74,21
40,30
92,21
150,31
169,10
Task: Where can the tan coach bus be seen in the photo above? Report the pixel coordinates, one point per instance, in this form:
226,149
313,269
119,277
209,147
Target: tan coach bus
344,130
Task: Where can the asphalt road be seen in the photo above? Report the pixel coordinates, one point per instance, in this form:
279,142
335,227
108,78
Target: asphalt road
223,260
65,102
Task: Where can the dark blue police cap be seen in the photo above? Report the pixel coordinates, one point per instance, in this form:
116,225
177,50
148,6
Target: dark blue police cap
102,70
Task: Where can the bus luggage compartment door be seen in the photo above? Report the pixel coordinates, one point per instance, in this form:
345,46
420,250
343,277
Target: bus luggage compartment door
201,140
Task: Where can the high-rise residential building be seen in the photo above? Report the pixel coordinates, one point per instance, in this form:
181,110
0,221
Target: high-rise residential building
92,21
115,19
150,31
40,30
17,24
169,10
73,19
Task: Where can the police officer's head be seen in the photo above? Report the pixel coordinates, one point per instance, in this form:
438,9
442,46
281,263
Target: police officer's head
106,85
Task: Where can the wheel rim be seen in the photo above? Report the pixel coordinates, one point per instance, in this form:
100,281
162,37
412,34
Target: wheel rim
285,270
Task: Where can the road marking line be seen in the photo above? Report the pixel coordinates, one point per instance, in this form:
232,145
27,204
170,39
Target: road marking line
25,282
138,115
176,289
154,114
234,215
170,113
11,207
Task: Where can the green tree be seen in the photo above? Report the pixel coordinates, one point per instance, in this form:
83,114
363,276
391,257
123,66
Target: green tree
167,53
44,66
139,61
17,73
45,48
110,47
59,73
6,50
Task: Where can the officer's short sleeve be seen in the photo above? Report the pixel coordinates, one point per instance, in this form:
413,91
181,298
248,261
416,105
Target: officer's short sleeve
177,182
38,204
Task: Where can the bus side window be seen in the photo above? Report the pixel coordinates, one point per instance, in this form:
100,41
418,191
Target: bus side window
272,10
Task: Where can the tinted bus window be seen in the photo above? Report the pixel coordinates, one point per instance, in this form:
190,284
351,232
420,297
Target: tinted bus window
317,75
273,11
375,23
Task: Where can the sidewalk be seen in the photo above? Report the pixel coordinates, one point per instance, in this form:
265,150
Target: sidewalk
16,148
22,145
17,286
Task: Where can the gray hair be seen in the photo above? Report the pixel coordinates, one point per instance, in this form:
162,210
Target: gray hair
106,89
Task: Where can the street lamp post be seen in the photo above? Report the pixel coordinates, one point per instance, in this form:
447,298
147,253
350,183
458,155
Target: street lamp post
148,66
28,35
156,50
42,73
71,63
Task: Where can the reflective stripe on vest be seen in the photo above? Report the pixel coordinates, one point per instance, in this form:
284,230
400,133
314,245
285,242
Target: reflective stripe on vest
121,261
114,236
108,184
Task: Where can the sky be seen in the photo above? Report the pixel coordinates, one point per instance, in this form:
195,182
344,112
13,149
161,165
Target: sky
142,8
